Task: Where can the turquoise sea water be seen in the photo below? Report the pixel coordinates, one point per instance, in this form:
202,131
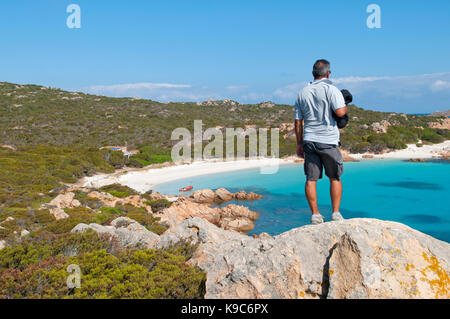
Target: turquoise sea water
416,194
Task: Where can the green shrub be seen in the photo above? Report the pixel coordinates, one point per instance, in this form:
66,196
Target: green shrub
118,190
159,204
140,215
38,269
85,200
431,135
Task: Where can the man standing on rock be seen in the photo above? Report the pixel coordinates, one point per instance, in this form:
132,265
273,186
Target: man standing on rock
318,137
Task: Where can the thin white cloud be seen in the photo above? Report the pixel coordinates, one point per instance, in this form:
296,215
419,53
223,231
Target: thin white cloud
410,86
237,87
412,93
123,88
440,85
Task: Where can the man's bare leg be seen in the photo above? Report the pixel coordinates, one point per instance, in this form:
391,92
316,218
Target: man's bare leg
311,196
336,194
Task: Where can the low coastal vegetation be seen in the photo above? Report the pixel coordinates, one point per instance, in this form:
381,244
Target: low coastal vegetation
37,268
50,138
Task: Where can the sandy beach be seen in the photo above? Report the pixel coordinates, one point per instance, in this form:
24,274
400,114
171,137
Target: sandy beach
144,179
412,151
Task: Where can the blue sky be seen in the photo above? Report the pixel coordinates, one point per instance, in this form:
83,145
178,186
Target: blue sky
246,50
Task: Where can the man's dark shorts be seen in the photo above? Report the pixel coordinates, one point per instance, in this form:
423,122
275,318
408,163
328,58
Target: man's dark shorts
319,156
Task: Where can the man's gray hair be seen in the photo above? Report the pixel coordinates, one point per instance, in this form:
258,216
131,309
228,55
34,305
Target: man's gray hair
321,68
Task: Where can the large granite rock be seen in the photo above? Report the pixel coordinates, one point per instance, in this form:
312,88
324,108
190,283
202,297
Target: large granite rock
128,232
58,213
237,218
222,195
183,209
243,195
203,196
66,200
231,217
356,258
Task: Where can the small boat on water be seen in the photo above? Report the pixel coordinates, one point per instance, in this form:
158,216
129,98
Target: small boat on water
186,189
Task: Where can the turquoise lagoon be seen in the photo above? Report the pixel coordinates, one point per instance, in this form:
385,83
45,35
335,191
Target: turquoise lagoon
416,194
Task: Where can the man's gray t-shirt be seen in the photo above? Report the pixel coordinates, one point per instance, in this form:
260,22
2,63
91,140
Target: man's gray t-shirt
313,105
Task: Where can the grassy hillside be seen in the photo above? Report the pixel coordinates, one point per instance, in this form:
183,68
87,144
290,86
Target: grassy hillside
34,115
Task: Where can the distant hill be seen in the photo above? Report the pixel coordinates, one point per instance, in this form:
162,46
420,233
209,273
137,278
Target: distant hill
36,115
439,113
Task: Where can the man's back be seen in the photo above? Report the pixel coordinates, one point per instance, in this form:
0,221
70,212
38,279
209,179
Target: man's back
313,105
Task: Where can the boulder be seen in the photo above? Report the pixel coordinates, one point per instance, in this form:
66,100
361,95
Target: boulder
232,217
58,213
65,200
440,124
222,195
8,219
184,209
233,210
346,156
203,196
380,127
356,258
418,160
24,233
243,195
128,232
2,244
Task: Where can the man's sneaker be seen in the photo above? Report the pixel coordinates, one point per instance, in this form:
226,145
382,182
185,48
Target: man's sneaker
336,217
316,219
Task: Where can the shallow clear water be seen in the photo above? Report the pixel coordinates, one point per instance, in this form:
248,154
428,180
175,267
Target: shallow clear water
416,194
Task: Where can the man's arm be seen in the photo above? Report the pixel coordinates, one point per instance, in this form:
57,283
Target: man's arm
338,102
341,111
299,135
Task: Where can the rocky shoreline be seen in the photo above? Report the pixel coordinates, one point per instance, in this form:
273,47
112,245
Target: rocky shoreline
356,258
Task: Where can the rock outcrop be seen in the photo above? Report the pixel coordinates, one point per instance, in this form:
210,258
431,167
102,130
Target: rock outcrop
58,213
221,195
203,196
380,127
231,217
126,231
356,258
243,195
237,218
419,160
66,200
346,156
441,124
111,201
